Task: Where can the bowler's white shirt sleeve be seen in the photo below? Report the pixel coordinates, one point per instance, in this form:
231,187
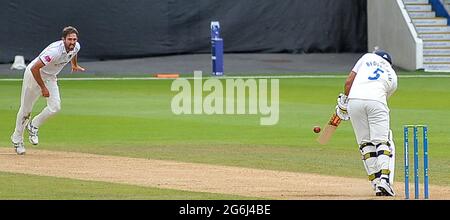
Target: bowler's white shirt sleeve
48,55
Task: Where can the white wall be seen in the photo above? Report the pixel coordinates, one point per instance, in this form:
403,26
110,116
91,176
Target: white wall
390,28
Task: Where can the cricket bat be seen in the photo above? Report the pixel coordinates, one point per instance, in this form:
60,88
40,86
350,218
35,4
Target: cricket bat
329,129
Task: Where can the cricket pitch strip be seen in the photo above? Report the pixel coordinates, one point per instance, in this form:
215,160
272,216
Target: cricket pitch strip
265,184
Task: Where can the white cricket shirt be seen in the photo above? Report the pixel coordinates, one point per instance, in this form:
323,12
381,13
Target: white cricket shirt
375,79
55,57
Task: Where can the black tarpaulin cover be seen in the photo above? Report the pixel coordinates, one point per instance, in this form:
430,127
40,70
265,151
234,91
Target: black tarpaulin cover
138,28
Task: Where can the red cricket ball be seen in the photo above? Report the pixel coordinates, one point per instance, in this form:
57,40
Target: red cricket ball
316,129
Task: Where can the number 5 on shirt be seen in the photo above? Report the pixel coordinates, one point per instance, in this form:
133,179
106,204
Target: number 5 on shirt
377,73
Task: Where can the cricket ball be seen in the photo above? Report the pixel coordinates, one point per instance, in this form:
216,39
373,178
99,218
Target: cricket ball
316,129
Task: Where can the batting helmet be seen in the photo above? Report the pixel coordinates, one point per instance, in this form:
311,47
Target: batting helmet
385,55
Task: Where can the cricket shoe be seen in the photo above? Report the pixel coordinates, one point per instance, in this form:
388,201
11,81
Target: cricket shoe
381,193
378,192
374,185
385,188
33,134
20,148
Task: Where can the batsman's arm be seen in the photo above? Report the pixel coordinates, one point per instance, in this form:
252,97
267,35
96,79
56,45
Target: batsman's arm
392,89
349,82
35,70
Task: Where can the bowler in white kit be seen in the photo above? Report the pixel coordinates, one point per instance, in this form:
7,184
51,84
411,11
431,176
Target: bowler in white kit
40,80
366,92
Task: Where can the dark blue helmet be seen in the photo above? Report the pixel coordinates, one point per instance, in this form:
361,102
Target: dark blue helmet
384,54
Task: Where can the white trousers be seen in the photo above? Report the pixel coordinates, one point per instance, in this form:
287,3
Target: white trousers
370,120
30,94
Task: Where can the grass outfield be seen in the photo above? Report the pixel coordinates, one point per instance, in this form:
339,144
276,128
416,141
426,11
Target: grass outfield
31,187
133,118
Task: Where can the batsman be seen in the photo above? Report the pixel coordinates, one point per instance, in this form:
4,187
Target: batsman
367,89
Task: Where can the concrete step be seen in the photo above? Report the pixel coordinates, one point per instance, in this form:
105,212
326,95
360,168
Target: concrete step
433,67
436,43
437,36
422,14
430,21
436,52
436,59
418,7
432,29
415,2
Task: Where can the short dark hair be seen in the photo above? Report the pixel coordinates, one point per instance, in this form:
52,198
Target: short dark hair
69,30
